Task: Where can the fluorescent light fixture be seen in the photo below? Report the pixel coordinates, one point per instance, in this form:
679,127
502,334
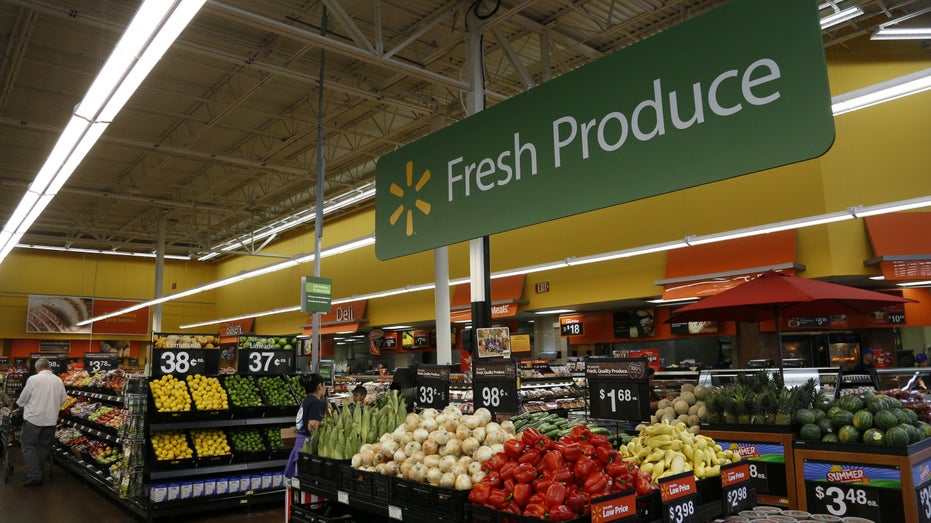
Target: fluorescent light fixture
110,252
915,284
878,278
884,208
882,92
397,327
840,17
902,33
773,227
532,269
627,253
243,317
150,33
676,300
555,311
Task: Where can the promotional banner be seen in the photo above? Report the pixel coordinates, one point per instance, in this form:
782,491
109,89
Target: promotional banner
50,314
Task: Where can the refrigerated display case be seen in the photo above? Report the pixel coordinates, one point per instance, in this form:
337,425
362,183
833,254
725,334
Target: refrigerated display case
825,377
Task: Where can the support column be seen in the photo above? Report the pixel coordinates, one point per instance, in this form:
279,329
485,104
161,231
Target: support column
318,209
444,342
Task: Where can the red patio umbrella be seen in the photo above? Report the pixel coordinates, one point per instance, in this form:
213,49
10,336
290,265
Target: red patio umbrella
773,295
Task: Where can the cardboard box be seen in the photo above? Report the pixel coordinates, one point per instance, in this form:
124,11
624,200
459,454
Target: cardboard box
289,437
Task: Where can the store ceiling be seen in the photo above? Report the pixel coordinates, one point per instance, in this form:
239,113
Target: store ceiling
221,138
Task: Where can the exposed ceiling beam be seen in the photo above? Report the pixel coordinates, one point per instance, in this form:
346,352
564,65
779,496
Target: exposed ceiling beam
346,21
512,56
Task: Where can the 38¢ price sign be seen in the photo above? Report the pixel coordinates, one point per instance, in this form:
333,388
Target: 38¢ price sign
95,362
680,498
432,386
494,385
183,362
618,388
265,361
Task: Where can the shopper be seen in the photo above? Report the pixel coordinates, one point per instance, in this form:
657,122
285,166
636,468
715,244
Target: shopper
866,361
924,378
41,398
308,418
358,396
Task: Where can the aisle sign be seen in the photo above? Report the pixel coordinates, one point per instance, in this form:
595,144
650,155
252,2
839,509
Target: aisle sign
494,385
850,489
618,507
432,386
100,361
618,388
736,492
263,362
183,362
921,476
680,498
766,462
325,370
316,294
57,362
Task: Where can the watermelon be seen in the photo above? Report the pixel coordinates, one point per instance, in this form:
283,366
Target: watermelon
850,403
897,436
900,415
912,416
875,404
850,434
914,435
885,420
826,426
873,437
841,418
924,428
833,410
810,432
830,438
819,414
823,403
805,416
863,420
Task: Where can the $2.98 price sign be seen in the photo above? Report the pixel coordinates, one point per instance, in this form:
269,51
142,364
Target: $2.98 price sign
842,500
680,498
183,362
494,385
432,386
265,361
735,488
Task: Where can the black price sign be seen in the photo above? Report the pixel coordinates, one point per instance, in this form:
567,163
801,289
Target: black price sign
735,488
432,386
494,385
843,500
265,362
95,362
923,497
57,364
183,362
575,328
680,498
759,476
618,389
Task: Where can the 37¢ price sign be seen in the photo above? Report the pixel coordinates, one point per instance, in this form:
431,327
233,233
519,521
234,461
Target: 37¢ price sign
432,386
618,389
680,498
184,362
265,361
494,385
735,488
95,362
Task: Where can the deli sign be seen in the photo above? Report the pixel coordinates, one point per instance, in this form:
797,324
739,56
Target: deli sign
721,95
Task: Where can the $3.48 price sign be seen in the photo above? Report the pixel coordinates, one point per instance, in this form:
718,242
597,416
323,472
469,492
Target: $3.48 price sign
924,503
265,362
183,362
843,500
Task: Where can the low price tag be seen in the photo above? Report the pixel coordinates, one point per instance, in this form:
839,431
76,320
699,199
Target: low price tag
618,389
95,362
735,488
182,362
265,361
680,498
56,363
923,496
432,383
843,500
494,385
621,507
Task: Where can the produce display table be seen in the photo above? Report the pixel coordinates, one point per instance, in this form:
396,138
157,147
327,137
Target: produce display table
765,447
881,483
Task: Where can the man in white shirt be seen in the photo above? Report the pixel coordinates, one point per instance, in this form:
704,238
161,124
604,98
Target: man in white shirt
41,398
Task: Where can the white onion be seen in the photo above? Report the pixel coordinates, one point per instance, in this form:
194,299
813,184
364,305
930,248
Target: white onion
380,468
386,437
432,460
447,463
451,424
430,447
452,411
465,461
457,469
357,460
463,482
398,434
452,447
463,431
433,476
474,467
478,477
441,419
399,456
441,437
497,447
471,421
508,426
448,480
483,454
388,448
411,448
469,445
492,427
420,435
369,469
405,468
408,437
411,422
417,472
380,458
429,413
429,424
391,468
367,457
418,456
483,414
479,434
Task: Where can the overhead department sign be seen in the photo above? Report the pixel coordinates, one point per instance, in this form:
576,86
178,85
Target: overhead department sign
740,89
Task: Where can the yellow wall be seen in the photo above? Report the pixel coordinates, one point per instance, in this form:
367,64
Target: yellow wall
880,154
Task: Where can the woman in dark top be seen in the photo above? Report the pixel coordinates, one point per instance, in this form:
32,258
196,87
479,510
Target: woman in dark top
308,418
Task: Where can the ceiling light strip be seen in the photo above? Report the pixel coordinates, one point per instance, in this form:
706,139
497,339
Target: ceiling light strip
840,17
882,92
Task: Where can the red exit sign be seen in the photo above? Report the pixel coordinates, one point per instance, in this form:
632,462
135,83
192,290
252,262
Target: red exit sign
543,286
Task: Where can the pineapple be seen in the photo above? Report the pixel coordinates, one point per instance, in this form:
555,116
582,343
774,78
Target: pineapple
784,410
758,417
743,403
769,404
714,402
729,405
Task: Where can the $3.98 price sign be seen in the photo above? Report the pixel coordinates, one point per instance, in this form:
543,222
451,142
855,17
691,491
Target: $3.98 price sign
680,498
183,362
265,362
494,385
432,386
842,500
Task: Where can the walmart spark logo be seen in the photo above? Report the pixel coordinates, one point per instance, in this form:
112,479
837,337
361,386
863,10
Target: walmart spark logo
421,205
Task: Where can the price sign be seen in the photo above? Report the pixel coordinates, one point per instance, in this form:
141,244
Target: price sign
95,362
265,362
923,497
896,318
759,476
843,500
618,389
571,329
432,386
56,363
854,490
494,385
680,498
735,488
619,507
183,362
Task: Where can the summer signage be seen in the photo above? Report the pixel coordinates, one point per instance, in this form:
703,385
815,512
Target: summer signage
737,90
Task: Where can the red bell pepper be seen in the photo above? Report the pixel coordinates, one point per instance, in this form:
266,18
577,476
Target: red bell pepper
530,437
617,469
556,494
493,479
537,498
480,493
552,460
643,484
497,499
541,484
584,466
513,448
495,463
535,510
587,448
507,470
599,440
603,454
525,473
581,432
570,451
577,501
509,485
513,508
596,483
522,493
561,513
562,475
532,456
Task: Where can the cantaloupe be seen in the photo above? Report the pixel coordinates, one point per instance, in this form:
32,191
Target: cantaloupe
688,397
693,410
688,387
663,404
700,392
692,420
683,418
681,406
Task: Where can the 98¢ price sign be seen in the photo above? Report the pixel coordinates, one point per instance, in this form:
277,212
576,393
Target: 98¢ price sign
265,361
618,389
494,385
184,362
432,389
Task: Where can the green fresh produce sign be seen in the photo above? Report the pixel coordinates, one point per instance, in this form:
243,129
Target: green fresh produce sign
316,294
740,89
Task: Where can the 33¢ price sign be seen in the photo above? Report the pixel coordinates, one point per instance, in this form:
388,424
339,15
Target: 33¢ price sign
432,386
265,361
494,385
618,389
183,362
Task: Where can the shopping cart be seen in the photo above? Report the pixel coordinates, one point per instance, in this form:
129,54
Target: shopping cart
11,423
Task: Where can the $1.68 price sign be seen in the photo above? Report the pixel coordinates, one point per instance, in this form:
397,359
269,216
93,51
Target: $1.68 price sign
265,361
494,385
680,498
432,386
842,500
619,389
735,488
183,362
